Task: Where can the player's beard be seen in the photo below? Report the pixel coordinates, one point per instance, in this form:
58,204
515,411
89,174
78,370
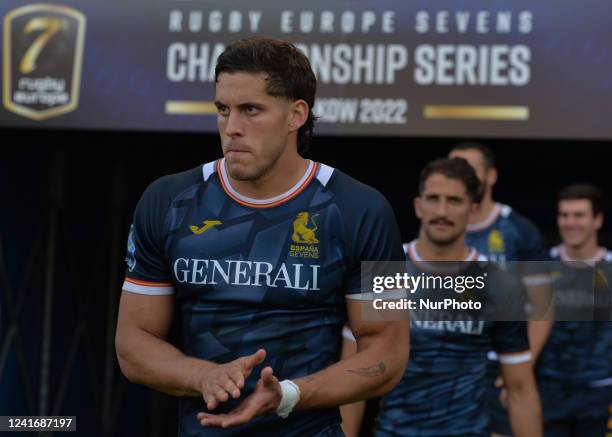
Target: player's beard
442,241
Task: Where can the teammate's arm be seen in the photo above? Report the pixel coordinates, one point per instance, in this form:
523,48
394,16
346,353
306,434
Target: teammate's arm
145,357
538,284
352,414
543,313
539,331
524,406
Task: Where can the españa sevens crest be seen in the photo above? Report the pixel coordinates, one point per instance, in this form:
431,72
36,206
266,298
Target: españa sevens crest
43,53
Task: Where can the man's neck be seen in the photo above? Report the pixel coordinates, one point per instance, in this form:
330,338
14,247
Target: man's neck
280,178
583,252
429,251
485,209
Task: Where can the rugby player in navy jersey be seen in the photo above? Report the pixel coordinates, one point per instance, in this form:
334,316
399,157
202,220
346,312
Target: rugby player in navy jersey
495,229
442,392
260,253
574,371
504,235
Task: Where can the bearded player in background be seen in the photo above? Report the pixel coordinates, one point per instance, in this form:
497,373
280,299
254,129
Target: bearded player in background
443,391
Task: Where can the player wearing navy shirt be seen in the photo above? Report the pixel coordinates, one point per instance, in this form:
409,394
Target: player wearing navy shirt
260,253
574,371
496,230
504,235
442,392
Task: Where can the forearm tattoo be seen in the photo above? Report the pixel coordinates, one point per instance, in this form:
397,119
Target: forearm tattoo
371,371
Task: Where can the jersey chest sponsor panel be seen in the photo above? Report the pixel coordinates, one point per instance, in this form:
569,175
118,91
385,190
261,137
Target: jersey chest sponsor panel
255,257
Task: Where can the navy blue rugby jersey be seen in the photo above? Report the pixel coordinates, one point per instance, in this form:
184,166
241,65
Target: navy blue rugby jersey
442,392
506,236
579,353
250,274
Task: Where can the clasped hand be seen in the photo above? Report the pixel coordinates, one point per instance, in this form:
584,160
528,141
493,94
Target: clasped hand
227,380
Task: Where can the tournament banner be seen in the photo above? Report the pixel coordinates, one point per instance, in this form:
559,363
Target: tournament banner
505,68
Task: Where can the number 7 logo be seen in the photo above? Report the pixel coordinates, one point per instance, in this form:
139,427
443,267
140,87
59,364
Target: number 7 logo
43,52
49,26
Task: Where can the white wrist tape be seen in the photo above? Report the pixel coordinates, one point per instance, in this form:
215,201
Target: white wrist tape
289,399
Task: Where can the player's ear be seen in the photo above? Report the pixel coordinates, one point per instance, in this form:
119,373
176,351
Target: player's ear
298,114
474,208
599,218
417,206
491,176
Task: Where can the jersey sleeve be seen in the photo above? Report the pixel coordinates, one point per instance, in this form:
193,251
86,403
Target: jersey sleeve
511,343
375,236
147,267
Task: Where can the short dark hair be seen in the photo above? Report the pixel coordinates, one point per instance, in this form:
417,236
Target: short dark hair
584,191
453,168
485,151
288,69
